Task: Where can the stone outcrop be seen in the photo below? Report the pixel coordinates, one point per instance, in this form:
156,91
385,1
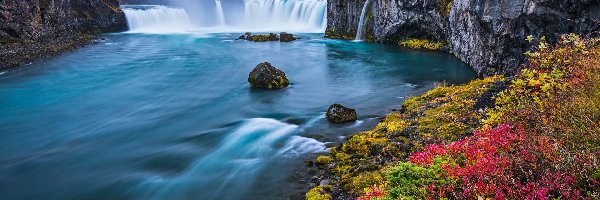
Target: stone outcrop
489,35
265,76
286,37
338,113
31,29
282,37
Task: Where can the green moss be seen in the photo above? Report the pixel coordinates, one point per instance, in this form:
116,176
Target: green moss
323,160
409,181
264,37
364,180
444,6
421,44
440,115
318,193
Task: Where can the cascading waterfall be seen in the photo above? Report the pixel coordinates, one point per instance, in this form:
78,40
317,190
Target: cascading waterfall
219,12
257,16
156,19
280,13
360,32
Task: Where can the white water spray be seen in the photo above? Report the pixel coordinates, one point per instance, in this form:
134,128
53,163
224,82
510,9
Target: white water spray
300,16
307,14
219,12
157,19
360,32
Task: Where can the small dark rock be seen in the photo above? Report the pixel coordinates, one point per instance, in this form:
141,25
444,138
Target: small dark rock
324,182
308,163
264,75
286,37
338,114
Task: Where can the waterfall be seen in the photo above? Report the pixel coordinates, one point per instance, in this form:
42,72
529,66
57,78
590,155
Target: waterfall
308,16
156,19
360,32
219,12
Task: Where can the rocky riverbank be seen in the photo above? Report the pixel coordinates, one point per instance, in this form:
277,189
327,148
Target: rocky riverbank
36,29
494,138
488,35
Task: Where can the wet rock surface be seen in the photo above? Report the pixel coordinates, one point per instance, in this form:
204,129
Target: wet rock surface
35,29
265,76
338,113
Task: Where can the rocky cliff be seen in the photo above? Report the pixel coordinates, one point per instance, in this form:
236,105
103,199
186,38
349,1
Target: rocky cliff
31,29
487,34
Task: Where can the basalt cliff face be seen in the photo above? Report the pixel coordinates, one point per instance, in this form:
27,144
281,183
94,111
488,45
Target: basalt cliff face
31,29
487,34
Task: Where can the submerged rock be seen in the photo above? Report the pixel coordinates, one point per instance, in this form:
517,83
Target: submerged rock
286,37
338,113
264,75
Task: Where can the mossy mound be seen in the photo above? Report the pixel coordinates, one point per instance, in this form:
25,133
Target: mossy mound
441,115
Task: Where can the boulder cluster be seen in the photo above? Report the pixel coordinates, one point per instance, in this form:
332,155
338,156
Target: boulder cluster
265,76
281,37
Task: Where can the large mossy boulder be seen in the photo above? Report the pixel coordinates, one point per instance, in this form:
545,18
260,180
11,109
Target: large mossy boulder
338,113
264,75
286,37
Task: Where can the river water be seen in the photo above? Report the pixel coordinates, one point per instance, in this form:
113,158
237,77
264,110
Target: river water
172,116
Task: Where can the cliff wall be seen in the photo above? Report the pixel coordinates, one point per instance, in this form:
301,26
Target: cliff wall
487,34
31,29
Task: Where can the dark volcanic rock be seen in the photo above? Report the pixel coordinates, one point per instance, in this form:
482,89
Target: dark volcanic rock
286,37
487,34
283,37
31,29
338,114
264,75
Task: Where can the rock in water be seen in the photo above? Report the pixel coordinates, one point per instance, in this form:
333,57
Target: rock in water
338,113
286,37
264,75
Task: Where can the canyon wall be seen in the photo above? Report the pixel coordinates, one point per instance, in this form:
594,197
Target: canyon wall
31,29
489,35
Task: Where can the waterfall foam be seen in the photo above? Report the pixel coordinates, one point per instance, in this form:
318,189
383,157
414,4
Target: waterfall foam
157,19
360,31
306,16
219,12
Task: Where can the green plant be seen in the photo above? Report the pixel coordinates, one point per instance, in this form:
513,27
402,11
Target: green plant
421,44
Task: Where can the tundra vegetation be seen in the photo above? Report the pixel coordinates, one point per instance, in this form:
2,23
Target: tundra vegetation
532,135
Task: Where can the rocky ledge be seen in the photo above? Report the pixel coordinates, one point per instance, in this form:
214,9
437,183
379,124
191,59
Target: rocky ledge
489,35
35,29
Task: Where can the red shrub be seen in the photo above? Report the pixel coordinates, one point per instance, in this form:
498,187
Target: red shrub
501,163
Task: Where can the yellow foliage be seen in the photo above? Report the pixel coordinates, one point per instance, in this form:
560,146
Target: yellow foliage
317,193
421,44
